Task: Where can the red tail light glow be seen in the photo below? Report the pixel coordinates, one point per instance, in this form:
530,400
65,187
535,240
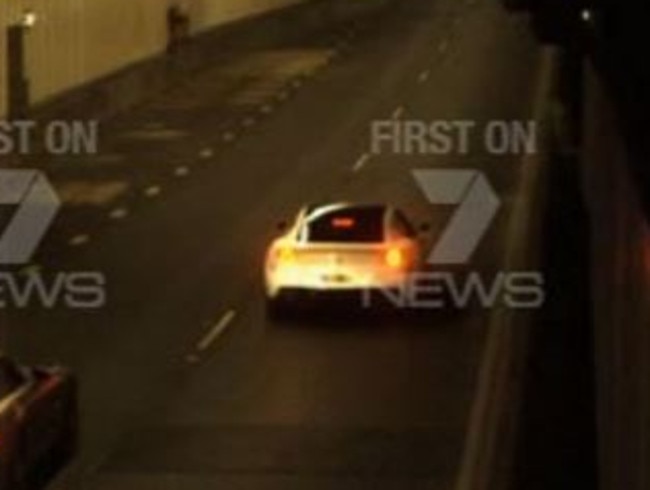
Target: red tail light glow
343,222
284,255
394,258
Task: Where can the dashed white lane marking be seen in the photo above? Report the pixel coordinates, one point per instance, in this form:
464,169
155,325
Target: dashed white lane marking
216,331
154,125
444,45
181,171
398,112
30,269
206,153
297,83
93,193
266,109
361,162
119,213
228,136
424,76
152,191
282,95
248,122
78,240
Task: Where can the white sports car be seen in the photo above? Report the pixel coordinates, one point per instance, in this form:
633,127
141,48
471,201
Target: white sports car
340,247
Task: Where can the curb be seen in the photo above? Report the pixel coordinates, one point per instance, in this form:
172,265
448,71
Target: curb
489,442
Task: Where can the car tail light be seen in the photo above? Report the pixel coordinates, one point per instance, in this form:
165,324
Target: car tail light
394,258
284,255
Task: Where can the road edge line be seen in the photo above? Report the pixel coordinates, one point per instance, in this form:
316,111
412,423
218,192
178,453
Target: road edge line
496,376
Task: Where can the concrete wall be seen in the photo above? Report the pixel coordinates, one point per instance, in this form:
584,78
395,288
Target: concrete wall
77,41
621,282
209,13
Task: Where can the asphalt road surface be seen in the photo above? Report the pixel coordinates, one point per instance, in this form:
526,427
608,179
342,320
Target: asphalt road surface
185,384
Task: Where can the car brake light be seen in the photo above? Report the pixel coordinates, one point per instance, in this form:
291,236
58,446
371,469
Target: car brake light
343,223
285,254
394,258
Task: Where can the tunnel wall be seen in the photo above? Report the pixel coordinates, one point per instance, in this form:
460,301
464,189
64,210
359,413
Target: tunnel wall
620,237
77,41
210,12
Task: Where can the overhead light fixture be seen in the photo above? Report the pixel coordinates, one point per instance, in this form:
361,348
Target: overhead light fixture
28,19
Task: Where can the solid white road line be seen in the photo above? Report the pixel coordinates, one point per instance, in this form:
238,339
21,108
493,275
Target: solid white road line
216,331
495,382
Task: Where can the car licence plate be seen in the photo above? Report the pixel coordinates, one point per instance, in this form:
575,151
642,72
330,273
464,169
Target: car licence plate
335,278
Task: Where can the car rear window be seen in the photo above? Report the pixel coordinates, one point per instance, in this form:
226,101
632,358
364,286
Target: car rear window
362,224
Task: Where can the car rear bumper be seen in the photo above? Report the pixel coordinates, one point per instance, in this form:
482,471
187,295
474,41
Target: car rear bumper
359,297
313,284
